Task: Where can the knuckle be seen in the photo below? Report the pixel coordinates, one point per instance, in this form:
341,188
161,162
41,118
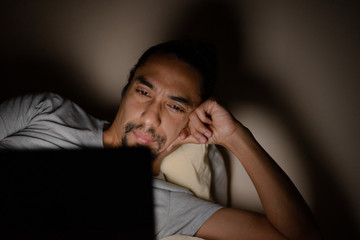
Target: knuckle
212,100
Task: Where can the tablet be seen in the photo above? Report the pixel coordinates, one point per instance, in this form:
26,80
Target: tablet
76,194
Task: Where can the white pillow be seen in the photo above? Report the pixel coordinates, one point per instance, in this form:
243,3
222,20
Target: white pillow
188,166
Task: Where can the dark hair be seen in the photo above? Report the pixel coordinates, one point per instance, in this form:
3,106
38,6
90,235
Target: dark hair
200,55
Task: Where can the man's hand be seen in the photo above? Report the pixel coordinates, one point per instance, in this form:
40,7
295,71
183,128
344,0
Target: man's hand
208,123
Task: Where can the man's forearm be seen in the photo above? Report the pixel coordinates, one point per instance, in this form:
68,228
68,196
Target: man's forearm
284,206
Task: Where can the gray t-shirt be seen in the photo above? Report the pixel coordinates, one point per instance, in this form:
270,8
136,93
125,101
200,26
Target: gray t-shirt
177,210
48,120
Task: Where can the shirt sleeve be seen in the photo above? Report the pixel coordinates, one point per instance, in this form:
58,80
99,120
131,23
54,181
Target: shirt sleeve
178,211
17,113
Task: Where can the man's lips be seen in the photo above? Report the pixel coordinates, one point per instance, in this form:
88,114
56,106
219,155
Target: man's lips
143,138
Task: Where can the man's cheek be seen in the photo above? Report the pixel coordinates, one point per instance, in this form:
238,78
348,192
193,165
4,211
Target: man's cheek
171,139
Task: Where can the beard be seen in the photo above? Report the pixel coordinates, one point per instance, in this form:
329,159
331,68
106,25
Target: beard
158,139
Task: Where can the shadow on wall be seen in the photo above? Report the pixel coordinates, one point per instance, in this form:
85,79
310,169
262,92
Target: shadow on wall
31,72
218,22
32,62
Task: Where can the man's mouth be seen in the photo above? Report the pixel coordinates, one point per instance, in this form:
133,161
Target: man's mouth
142,138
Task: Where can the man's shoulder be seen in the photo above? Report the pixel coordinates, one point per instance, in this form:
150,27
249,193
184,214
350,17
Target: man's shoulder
43,96
34,98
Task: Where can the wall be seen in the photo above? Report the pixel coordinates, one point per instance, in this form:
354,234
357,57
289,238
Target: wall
288,70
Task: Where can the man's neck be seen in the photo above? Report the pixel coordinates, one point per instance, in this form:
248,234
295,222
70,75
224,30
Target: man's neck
109,138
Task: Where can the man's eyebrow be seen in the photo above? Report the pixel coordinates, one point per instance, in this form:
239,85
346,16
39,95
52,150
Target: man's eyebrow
181,100
145,82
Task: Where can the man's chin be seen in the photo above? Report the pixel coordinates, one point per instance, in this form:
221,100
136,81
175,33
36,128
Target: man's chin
154,148
153,152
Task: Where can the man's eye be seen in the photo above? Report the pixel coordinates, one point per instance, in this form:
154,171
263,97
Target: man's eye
142,92
177,108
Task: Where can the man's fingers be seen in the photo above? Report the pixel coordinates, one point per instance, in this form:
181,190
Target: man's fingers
199,129
184,134
199,136
203,116
173,144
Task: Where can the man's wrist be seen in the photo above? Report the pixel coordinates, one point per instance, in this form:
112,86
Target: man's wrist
241,136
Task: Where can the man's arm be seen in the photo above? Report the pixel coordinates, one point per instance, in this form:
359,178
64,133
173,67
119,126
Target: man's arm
287,215
17,113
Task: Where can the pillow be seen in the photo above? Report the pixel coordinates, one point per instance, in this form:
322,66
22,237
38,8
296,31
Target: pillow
188,166
219,176
199,168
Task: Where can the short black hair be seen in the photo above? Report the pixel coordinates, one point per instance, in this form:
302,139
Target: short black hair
199,54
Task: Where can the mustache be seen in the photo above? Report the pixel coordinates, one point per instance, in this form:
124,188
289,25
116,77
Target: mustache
158,138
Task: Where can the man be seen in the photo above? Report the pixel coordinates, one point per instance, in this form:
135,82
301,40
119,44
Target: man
165,104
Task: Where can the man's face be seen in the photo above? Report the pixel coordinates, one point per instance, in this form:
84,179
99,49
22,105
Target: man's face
157,104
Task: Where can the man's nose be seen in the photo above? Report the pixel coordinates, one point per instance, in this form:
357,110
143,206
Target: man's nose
151,115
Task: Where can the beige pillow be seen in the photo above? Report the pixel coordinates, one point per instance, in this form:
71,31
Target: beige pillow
188,166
